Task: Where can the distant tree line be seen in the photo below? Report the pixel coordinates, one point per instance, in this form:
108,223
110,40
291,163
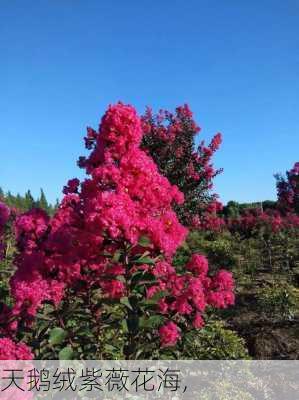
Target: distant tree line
287,187
27,201
233,209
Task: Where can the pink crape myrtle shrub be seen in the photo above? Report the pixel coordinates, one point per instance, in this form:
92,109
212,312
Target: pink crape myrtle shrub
288,190
108,250
170,139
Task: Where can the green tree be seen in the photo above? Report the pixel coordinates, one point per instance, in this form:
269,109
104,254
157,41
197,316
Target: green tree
29,200
42,201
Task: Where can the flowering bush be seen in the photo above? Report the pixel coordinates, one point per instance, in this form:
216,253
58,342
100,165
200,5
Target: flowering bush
170,139
108,251
288,190
253,221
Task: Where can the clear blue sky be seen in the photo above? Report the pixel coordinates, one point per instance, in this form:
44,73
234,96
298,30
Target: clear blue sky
235,62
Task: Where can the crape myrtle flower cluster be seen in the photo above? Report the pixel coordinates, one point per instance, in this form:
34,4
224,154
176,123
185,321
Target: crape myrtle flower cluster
288,190
170,139
110,231
9,350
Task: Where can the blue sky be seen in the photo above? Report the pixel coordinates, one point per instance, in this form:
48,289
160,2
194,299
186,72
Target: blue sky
235,62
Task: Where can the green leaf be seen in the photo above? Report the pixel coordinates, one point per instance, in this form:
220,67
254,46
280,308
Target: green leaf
66,353
109,348
57,336
116,257
154,300
136,276
145,260
126,302
144,241
159,295
151,322
146,277
124,326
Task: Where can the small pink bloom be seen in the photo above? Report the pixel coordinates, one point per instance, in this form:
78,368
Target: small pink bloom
10,350
198,264
169,334
198,321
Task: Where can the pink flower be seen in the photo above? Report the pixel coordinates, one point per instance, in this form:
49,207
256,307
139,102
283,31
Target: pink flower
72,186
162,306
30,227
181,306
121,128
177,285
198,321
113,289
30,293
14,351
152,290
115,269
216,142
169,334
221,299
198,264
163,268
223,280
200,301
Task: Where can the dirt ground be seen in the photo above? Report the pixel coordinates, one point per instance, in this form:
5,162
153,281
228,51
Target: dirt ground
266,337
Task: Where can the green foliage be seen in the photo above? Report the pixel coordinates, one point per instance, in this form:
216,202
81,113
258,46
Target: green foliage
66,353
275,252
94,327
233,209
219,248
214,342
277,300
27,202
70,331
57,336
42,202
6,268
